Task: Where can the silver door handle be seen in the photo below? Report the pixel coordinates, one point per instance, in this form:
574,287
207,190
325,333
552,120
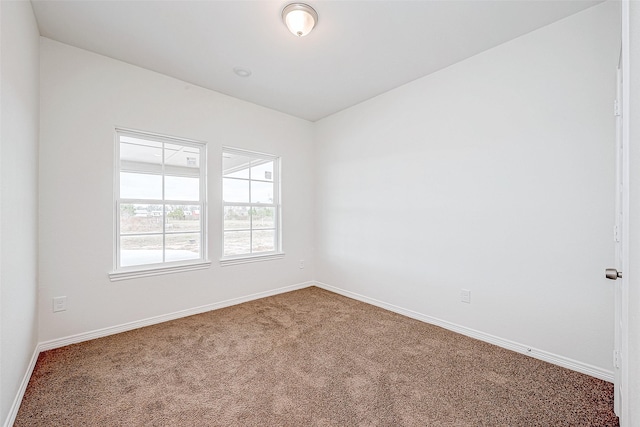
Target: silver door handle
612,273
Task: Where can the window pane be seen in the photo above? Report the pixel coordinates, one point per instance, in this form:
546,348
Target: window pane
140,250
140,186
235,190
140,218
153,170
261,192
183,218
236,166
140,154
237,242
262,171
249,180
182,247
263,217
236,217
181,188
264,241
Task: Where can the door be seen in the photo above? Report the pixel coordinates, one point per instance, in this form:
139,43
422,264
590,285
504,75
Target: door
620,233
618,250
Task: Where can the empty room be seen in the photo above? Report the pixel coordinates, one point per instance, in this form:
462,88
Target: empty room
419,213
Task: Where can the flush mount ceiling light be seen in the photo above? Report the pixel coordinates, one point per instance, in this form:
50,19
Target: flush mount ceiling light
299,18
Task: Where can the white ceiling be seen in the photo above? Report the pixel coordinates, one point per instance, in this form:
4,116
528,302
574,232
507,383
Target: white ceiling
359,49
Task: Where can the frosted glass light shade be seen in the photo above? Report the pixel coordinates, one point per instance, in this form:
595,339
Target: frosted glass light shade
299,18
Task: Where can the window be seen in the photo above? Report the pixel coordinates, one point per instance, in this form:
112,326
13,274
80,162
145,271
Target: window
251,205
160,205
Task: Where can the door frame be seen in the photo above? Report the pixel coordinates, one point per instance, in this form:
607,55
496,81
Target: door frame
623,321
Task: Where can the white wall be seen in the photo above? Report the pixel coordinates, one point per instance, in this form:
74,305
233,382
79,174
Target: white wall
494,175
84,96
633,398
18,196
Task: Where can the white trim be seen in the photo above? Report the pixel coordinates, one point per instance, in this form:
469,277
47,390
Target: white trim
116,276
136,133
555,359
99,333
250,258
15,406
248,153
624,405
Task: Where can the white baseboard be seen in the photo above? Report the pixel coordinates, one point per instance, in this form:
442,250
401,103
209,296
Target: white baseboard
111,330
565,362
510,345
86,336
15,406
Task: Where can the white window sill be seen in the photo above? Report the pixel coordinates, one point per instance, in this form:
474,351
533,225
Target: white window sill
157,271
244,259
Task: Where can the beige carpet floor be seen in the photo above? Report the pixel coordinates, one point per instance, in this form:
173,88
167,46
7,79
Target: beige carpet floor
308,357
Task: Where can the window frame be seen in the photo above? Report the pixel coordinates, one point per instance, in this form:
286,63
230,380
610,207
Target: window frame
120,272
278,252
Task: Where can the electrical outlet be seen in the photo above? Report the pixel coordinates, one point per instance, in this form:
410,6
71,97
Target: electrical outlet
301,264
465,296
59,304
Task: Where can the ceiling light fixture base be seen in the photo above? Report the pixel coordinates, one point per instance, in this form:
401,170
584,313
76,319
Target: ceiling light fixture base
299,18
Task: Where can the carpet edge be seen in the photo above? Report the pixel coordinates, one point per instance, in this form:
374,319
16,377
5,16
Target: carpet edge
545,356
15,406
124,327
